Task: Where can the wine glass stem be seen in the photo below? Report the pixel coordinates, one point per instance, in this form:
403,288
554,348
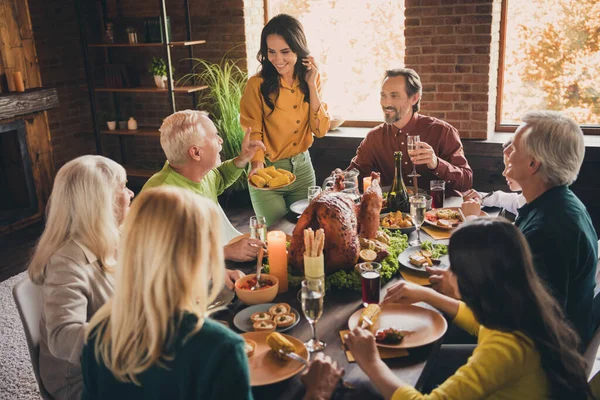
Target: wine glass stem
419,233
314,331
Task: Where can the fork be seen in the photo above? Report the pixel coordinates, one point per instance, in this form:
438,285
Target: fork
294,356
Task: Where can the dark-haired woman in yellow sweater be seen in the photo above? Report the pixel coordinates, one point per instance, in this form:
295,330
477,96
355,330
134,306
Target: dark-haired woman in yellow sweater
525,348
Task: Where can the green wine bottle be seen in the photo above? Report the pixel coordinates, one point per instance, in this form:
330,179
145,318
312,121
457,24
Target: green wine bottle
398,196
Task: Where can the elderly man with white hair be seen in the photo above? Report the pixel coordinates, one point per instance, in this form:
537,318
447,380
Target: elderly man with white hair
192,145
544,158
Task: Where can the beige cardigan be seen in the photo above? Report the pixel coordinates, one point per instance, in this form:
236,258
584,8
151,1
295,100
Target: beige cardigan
74,288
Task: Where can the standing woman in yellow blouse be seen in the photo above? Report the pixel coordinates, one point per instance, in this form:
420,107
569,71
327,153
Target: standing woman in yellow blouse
282,107
525,348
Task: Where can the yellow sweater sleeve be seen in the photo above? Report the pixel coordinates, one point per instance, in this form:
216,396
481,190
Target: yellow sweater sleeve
320,121
498,361
466,320
251,113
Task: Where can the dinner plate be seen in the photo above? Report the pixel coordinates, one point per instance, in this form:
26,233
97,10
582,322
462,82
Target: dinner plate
404,260
270,188
299,206
243,323
406,230
460,220
426,325
265,368
223,299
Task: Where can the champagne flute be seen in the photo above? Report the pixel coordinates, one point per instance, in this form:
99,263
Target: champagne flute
258,228
312,293
418,205
412,147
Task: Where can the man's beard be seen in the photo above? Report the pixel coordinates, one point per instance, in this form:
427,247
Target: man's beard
391,118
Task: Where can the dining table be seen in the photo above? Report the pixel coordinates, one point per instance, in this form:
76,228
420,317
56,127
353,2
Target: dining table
413,369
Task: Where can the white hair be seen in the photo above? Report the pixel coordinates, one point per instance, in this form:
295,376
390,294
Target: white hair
180,131
556,141
82,206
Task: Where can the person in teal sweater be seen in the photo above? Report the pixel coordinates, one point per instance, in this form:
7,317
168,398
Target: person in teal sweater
153,339
192,145
525,350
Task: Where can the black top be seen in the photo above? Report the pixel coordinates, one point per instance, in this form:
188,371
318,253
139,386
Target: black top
564,245
211,364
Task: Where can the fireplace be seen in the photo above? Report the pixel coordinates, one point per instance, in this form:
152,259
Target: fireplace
18,198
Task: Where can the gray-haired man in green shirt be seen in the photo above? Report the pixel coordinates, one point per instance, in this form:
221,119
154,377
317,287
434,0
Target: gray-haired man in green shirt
192,146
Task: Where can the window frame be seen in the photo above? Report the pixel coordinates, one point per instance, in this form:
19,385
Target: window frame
499,126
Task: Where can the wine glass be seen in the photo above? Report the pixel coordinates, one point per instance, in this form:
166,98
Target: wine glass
418,205
312,293
258,228
412,147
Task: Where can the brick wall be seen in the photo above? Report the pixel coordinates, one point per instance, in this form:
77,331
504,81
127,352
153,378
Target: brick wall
448,43
56,35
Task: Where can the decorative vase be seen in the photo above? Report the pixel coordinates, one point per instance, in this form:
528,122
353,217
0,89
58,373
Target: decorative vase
132,124
160,81
112,125
122,125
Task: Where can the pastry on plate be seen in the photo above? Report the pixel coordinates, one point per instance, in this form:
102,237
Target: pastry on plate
278,309
261,316
264,326
285,320
249,347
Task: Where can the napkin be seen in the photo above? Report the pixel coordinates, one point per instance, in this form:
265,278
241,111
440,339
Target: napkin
414,277
436,233
384,352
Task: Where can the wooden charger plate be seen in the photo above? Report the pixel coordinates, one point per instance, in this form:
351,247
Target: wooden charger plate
460,220
427,325
265,368
270,188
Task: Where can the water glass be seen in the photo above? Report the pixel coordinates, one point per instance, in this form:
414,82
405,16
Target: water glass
258,228
311,295
437,193
418,206
370,276
313,191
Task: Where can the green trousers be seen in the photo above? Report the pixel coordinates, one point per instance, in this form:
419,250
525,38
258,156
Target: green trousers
274,204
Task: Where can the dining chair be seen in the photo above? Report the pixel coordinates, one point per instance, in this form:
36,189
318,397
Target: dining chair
28,298
228,231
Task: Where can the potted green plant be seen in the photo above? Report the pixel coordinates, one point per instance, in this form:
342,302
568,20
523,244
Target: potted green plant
158,68
226,83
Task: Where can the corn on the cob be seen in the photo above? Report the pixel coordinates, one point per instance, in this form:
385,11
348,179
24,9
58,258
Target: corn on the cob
274,174
277,341
264,175
279,181
283,171
372,312
270,168
258,181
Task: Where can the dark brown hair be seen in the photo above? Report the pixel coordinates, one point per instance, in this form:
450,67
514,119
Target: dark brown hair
497,280
413,83
292,32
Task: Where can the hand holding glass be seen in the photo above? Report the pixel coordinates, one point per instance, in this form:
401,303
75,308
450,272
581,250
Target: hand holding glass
258,228
418,205
412,142
312,294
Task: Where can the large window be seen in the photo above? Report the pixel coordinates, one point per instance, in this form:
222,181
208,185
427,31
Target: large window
354,42
551,60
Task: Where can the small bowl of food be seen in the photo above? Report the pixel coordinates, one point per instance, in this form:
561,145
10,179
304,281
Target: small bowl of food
335,122
269,285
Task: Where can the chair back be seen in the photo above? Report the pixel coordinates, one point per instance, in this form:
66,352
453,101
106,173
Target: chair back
228,231
28,298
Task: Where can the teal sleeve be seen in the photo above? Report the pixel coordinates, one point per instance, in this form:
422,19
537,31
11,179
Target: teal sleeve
225,175
234,365
87,359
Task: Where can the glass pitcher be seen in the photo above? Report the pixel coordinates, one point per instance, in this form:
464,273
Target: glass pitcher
350,182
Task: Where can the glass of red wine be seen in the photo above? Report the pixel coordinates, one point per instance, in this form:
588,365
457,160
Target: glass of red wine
370,276
437,193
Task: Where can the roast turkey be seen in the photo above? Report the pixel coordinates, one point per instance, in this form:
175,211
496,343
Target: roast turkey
342,221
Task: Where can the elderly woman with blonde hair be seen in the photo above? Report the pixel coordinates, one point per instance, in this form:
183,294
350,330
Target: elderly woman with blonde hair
153,340
73,263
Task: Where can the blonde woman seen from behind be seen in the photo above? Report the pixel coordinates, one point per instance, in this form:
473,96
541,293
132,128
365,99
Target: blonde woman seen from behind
73,263
153,340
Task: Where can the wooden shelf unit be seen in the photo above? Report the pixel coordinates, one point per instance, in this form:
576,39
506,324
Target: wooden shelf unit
141,131
172,44
147,89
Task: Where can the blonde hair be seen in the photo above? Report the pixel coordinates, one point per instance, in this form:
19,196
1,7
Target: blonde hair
170,249
180,131
556,141
82,207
